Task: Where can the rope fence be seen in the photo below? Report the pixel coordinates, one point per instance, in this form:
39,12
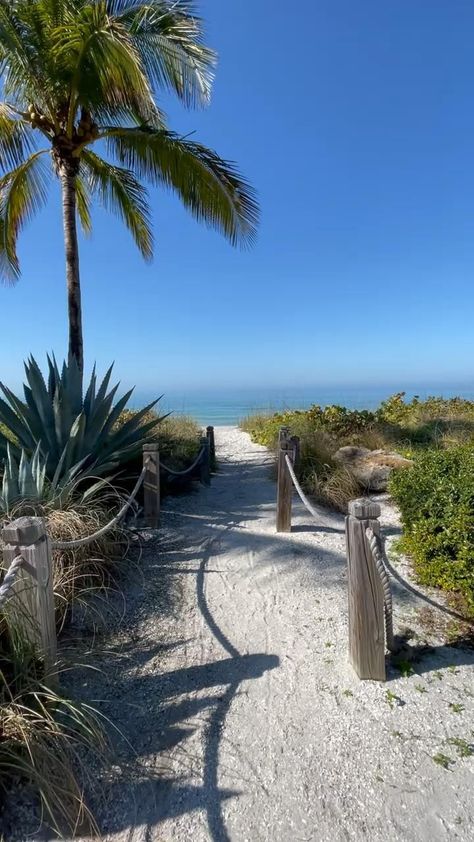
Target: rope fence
369,570
378,555
150,458
81,542
299,490
188,470
28,552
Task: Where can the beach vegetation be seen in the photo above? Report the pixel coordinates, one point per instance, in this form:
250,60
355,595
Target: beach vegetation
436,501
177,435
46,739
43,735
435,494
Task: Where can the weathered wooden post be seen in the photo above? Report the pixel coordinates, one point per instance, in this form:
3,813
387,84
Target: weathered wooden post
366,611
283,434
205,463
212,447
30,610
151,485
284,483
296,446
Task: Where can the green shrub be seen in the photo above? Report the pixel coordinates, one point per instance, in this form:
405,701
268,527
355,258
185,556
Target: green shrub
436,501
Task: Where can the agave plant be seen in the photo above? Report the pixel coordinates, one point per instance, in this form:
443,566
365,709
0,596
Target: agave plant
61,434
26,481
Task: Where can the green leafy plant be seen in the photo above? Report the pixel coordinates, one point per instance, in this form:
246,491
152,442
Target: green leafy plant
404,667
23,480
436,501
392,699
25,483
442,760
66,433
464,748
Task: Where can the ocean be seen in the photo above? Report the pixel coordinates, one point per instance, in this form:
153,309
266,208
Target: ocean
223,407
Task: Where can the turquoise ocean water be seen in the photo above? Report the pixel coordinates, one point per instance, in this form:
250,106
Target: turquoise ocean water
228,406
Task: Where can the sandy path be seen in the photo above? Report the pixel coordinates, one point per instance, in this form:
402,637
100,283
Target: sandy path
246,721
281,749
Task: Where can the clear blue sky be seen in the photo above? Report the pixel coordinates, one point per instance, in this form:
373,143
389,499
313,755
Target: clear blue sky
355,122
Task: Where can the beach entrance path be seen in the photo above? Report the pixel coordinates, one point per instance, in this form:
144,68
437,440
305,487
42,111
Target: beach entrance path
232,684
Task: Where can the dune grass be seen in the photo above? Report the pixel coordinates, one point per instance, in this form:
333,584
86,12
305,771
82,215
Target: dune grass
43,736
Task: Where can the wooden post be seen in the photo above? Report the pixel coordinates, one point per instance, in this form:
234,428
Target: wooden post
205,463
151,485
284,484
212,447
31,608
296,447
283,434
366,612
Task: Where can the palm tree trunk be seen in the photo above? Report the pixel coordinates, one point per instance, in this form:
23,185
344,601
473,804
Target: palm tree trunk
68,185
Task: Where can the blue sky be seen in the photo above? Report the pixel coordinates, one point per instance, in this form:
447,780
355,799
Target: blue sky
355,122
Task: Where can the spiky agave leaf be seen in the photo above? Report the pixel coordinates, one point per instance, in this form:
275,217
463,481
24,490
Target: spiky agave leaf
61,435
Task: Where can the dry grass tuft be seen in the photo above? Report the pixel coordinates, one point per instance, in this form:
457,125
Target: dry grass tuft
42,735
334,489
93,568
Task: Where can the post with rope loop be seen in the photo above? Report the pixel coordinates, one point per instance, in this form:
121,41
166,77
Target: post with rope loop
366,597
30,610
151,485
286,447
205,463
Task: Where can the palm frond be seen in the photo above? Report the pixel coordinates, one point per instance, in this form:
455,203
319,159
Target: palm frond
23,192
95,52
26,54
169,38
211,188
121,193
16,140
83,201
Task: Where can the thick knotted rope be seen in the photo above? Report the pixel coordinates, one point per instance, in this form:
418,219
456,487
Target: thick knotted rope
301,494
80,542
10,578
378,555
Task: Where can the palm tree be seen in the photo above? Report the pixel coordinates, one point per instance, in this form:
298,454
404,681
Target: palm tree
81,73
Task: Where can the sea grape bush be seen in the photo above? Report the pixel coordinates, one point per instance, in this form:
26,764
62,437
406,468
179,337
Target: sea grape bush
436,501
